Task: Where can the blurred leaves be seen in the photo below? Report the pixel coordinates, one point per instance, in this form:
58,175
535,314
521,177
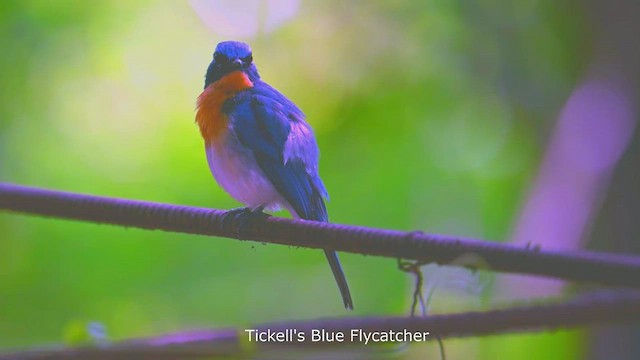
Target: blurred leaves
427,116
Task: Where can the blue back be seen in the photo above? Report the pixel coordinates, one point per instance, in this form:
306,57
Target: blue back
262,120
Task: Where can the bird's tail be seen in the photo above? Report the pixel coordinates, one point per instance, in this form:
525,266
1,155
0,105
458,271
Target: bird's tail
313,208
336,268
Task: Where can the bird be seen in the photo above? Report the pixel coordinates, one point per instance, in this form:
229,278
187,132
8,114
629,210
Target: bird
259,147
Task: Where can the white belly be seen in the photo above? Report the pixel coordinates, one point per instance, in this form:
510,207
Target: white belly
237,172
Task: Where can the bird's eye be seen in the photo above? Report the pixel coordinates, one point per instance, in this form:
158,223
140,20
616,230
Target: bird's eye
219,58
247,59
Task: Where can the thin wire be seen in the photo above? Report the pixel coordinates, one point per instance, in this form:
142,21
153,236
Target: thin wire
415,269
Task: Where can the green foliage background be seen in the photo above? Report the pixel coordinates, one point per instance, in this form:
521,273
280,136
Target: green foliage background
430,115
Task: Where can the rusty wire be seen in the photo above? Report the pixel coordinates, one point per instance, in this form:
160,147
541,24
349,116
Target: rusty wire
603,307
608,269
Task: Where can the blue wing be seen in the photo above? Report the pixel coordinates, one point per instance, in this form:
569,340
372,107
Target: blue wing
263,122
272,127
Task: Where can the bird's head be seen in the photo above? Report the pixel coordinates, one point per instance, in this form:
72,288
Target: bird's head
228,57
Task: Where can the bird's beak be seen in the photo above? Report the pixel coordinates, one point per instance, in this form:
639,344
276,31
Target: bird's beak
237,63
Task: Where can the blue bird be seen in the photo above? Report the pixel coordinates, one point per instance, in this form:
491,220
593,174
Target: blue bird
259,148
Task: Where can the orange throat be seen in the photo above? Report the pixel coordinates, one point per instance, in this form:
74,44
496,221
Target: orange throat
209,116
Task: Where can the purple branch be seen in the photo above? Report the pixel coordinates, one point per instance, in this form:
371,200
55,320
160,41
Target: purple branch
600,268
596,308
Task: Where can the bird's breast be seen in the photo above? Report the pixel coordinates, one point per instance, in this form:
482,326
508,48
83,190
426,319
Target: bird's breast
210,118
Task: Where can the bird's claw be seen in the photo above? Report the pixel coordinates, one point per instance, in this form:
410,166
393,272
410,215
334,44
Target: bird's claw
239,219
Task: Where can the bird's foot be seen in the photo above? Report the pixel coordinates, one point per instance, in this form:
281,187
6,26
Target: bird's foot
236,211
238,220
